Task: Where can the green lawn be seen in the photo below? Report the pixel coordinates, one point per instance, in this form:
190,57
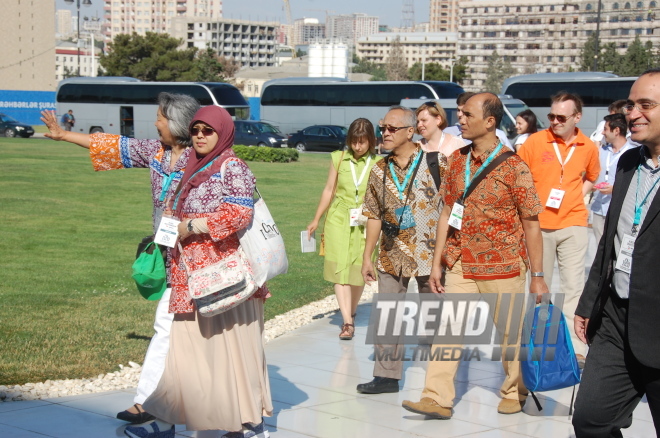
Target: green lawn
69,306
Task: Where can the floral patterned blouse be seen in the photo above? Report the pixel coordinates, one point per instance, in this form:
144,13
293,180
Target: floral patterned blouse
226,201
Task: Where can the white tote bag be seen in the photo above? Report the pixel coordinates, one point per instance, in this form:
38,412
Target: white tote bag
263,245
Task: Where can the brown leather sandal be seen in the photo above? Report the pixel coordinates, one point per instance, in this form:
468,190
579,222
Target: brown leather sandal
347,332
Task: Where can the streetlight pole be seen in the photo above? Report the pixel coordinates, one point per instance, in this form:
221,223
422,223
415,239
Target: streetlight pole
86,3
596,43
423,60
451,69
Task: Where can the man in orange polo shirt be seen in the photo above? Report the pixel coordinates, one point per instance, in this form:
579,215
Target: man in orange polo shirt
564,164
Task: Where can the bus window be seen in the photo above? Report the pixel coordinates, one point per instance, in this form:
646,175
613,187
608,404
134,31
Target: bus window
126,121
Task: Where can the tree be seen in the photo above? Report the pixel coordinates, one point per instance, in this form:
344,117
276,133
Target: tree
207,67
637,59
432,72
362,65
396,68
497,71
609,58
587,54
69,73
152,57
461,70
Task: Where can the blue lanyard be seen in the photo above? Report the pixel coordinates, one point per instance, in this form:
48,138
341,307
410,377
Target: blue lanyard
639,206
167,184
176,200
399,186
485,164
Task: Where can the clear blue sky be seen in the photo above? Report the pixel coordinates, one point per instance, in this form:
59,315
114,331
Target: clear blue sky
389,11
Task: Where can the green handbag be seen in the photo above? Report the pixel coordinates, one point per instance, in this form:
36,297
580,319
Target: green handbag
149,270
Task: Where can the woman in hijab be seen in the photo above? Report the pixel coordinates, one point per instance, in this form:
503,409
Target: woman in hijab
215,375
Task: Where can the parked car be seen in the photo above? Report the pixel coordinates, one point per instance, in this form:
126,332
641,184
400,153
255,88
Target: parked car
252,133
10,127
319,138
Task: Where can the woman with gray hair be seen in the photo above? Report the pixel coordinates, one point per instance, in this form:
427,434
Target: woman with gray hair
166,159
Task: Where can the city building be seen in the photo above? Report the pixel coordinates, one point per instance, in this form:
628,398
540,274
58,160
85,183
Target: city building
544,36
306,30
249,43
66,61
443,16
127,16
439,47
28,41
350,28
64,25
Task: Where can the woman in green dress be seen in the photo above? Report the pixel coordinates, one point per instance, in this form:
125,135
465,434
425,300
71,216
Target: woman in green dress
344,224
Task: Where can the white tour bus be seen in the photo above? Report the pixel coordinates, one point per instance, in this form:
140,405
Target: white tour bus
128,106
597,90
296,103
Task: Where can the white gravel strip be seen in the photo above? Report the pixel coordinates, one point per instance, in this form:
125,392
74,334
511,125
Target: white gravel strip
128,376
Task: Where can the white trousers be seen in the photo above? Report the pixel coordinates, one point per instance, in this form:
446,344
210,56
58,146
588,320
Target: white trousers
154,361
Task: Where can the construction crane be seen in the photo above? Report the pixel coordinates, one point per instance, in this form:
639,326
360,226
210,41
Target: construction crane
287,6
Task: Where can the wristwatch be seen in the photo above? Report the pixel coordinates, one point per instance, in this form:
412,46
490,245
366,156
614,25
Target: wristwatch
190,227
537,274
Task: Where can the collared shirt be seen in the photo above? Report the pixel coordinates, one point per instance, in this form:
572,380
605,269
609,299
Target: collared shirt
491,240
411,252
607,174
649,174
539,154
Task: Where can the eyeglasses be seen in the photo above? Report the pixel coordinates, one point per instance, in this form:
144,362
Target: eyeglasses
643,107
206,131
392,129
560,119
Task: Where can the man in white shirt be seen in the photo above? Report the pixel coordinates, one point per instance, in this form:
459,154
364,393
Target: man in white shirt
616,143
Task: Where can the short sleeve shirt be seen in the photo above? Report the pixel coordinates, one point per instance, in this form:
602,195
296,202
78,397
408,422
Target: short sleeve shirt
491,240
410,253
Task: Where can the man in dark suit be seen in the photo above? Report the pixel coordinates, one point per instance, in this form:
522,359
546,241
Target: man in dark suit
619,310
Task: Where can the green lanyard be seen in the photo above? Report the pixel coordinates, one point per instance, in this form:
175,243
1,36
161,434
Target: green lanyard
485,164
401,187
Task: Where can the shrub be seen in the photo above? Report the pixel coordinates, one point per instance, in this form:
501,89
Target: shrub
265,154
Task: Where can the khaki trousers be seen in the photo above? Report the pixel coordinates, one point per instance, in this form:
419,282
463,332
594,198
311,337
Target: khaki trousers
569,247
391,284
440,374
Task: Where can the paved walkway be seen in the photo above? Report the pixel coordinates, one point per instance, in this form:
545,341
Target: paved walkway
313,377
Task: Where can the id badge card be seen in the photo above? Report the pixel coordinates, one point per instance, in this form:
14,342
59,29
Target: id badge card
167,232
456,216
407,219
555,198
354,216
624,258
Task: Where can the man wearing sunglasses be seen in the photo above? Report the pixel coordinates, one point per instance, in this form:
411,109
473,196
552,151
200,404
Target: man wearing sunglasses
619,310
564,164
487,240
401,201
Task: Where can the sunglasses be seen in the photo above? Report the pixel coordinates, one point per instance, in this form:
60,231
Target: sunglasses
206,131
560,119
391,129
643,107
431,104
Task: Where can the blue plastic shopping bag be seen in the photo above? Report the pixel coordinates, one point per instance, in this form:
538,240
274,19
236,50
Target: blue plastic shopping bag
548,360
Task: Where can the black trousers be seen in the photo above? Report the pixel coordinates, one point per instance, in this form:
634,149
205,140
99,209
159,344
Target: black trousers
613,381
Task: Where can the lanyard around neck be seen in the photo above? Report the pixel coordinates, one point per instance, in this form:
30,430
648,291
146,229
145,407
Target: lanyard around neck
176,200
562,163
401,187
167,183
640,205
485,164
358,182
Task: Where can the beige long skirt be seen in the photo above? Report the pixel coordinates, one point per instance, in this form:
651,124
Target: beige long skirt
215,376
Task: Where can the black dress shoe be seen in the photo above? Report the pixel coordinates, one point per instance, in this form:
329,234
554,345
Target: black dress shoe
379,385
139,418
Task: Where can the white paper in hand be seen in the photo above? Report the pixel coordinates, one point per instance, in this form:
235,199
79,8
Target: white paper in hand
167,232
307,245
